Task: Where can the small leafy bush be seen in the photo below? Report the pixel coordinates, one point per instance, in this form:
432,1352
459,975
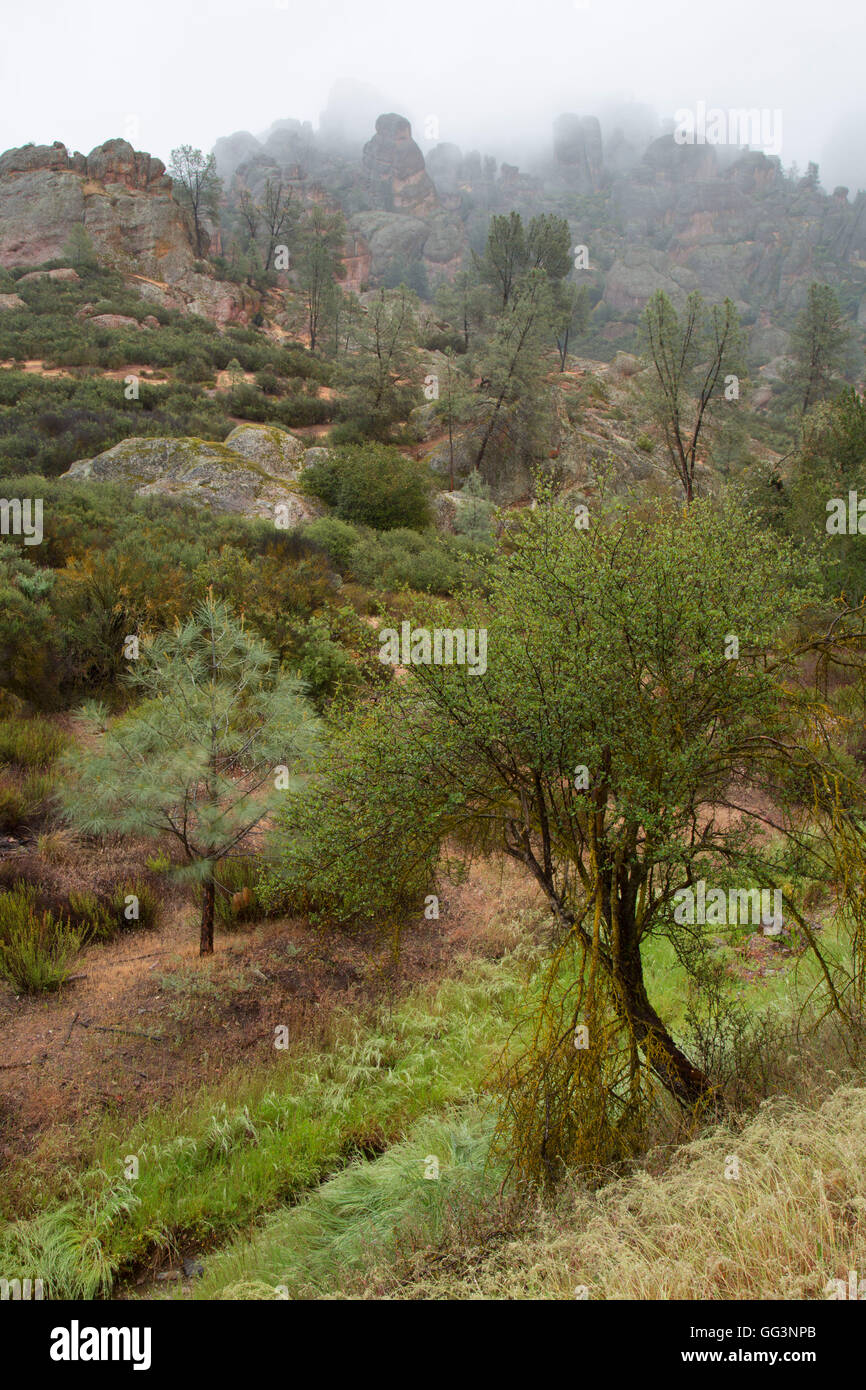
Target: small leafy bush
373,485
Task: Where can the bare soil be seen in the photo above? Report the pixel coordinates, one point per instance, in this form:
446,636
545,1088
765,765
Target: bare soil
145,1017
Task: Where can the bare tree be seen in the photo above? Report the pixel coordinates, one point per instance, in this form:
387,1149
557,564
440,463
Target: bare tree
695,359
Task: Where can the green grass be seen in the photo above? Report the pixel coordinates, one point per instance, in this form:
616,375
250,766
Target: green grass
209,1167
36,950
31,743
357,1218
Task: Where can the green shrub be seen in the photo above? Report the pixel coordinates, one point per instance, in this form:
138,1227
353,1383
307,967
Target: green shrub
39,798
148,905
336,537
373,485
404,558
90,917
645,443
27,803
11,806
36,951
101,918
237,899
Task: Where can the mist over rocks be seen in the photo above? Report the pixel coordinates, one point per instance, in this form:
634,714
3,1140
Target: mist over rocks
395,170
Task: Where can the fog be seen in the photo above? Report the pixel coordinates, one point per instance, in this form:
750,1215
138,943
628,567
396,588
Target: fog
492,74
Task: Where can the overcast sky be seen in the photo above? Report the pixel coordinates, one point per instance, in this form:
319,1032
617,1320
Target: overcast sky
493,72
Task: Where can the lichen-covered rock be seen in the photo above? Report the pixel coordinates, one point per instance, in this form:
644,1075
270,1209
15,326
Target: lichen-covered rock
211,474
269,446
114,321
318,454
63,273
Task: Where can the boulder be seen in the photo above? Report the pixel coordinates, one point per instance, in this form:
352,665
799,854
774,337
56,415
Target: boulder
268,446
317,454
64,273
11,301
114,321
220,476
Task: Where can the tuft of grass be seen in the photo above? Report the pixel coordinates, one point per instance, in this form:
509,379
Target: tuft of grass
360,1217
30,743
36,951
70,1250
135,904
237,899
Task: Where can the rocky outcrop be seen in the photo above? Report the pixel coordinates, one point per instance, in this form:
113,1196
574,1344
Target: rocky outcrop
123,200
577,150
251,473
407,224
395,171
230,151
121,196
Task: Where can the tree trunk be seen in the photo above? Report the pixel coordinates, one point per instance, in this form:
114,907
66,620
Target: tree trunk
207,910
685,1082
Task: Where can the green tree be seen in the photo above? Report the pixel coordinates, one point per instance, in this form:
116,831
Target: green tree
380,377
216,738
198,188
818,347
571,311
511,367
548,246
80,250
269,222
462,304
600,747
505,256
693,357
321,236
456,402
475,513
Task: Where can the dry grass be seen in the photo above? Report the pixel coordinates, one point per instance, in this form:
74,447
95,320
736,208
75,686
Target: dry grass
794,1219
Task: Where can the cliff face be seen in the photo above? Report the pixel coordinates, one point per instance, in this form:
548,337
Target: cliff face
741,228
121,197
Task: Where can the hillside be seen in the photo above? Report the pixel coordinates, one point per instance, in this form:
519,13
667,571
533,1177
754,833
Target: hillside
432,800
